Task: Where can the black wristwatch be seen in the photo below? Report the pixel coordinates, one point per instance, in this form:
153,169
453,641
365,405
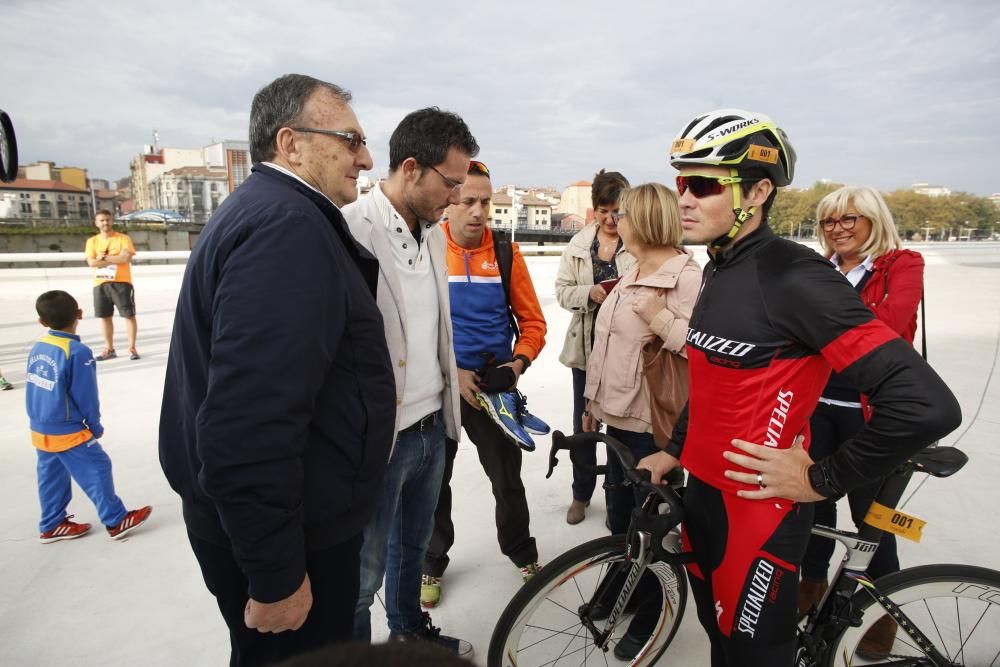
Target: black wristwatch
524,360
819,479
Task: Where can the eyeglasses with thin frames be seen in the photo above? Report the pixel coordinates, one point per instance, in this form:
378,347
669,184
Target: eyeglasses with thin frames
617,215
846,222
454,185
354,139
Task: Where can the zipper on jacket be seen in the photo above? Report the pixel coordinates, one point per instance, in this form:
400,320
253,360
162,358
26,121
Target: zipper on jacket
468,272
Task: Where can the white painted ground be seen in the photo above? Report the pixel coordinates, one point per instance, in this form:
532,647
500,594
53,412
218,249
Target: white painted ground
93,601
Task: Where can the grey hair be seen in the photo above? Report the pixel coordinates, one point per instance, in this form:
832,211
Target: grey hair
279,104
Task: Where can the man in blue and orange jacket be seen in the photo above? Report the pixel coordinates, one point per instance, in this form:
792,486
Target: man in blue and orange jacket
486,349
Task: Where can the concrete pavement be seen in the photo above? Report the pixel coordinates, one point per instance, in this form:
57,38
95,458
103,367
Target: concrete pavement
94,601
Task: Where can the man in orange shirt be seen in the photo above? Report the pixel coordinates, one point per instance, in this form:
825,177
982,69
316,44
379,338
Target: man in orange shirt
497,336
110,254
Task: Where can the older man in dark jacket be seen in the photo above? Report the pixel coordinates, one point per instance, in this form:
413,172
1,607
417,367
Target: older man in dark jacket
279,400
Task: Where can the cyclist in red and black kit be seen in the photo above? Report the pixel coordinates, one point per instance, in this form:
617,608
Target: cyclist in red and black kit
773,318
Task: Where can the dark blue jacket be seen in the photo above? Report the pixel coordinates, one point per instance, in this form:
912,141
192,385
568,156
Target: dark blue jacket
279,399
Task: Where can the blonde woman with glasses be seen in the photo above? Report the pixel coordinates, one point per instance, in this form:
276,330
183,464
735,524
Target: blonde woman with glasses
859,237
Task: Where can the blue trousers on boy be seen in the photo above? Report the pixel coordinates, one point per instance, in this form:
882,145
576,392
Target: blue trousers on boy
90,466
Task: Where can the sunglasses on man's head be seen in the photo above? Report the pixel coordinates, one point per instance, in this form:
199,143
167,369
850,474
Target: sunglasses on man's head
354,139
705,186
477,167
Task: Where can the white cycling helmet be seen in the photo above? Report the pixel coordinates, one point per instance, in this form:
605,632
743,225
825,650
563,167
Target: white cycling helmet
738,139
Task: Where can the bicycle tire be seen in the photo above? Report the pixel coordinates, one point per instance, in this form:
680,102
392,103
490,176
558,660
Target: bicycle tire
518,642
956,606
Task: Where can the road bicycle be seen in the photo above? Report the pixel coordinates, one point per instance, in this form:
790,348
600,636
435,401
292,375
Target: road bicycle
576,609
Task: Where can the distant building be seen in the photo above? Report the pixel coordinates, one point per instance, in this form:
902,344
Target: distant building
154,161
550,195
46,199
534,213
106,200
995,198
576,199
195,192
930,190
233,157
48,171
502,214
568,222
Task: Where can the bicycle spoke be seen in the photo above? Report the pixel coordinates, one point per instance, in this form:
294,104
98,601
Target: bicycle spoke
958,619
563,607
961,649
904,640
550,630
583,600
544,629
930,615
563,654
554,634
596,648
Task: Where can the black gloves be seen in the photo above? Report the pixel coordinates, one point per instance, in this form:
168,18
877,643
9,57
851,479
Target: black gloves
496,379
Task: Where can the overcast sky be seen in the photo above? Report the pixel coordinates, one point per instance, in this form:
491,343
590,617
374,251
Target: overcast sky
876,93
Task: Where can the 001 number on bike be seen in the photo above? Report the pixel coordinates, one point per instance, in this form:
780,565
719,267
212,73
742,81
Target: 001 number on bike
895,522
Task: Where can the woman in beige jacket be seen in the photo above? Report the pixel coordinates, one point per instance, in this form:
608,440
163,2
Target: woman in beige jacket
655,298
594,254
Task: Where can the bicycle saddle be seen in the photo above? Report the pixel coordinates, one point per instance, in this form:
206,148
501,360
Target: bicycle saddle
939,461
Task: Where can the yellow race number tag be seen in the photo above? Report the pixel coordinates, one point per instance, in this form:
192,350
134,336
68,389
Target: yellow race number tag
761,154
682,146
895,522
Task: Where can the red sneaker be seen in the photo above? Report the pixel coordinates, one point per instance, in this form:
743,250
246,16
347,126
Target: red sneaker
67,530
132,520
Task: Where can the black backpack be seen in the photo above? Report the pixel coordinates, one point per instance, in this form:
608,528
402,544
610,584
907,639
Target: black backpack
505,261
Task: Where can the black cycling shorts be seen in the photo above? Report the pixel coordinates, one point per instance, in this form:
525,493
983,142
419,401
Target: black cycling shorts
745,576
108,296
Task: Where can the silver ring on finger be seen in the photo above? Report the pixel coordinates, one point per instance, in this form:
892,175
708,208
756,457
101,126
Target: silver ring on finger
760,480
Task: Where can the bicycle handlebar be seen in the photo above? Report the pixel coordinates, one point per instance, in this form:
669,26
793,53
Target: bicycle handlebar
637,478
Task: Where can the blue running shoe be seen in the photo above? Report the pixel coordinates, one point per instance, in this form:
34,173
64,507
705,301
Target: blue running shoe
502,409
530,422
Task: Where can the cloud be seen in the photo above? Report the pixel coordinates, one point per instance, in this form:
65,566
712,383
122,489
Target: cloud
878,93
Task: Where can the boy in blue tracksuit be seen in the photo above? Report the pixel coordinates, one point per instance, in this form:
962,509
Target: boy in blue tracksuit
65,416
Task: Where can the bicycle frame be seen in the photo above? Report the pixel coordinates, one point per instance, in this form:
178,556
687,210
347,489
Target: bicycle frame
659,512
835,611
637,565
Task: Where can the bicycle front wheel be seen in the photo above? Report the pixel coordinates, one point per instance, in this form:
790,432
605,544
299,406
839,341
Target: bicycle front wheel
957,607
541,625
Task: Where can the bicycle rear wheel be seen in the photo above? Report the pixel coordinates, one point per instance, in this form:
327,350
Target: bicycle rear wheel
541,625
957,607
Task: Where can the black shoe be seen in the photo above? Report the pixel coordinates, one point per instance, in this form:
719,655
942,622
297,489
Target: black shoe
429,633
629,646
